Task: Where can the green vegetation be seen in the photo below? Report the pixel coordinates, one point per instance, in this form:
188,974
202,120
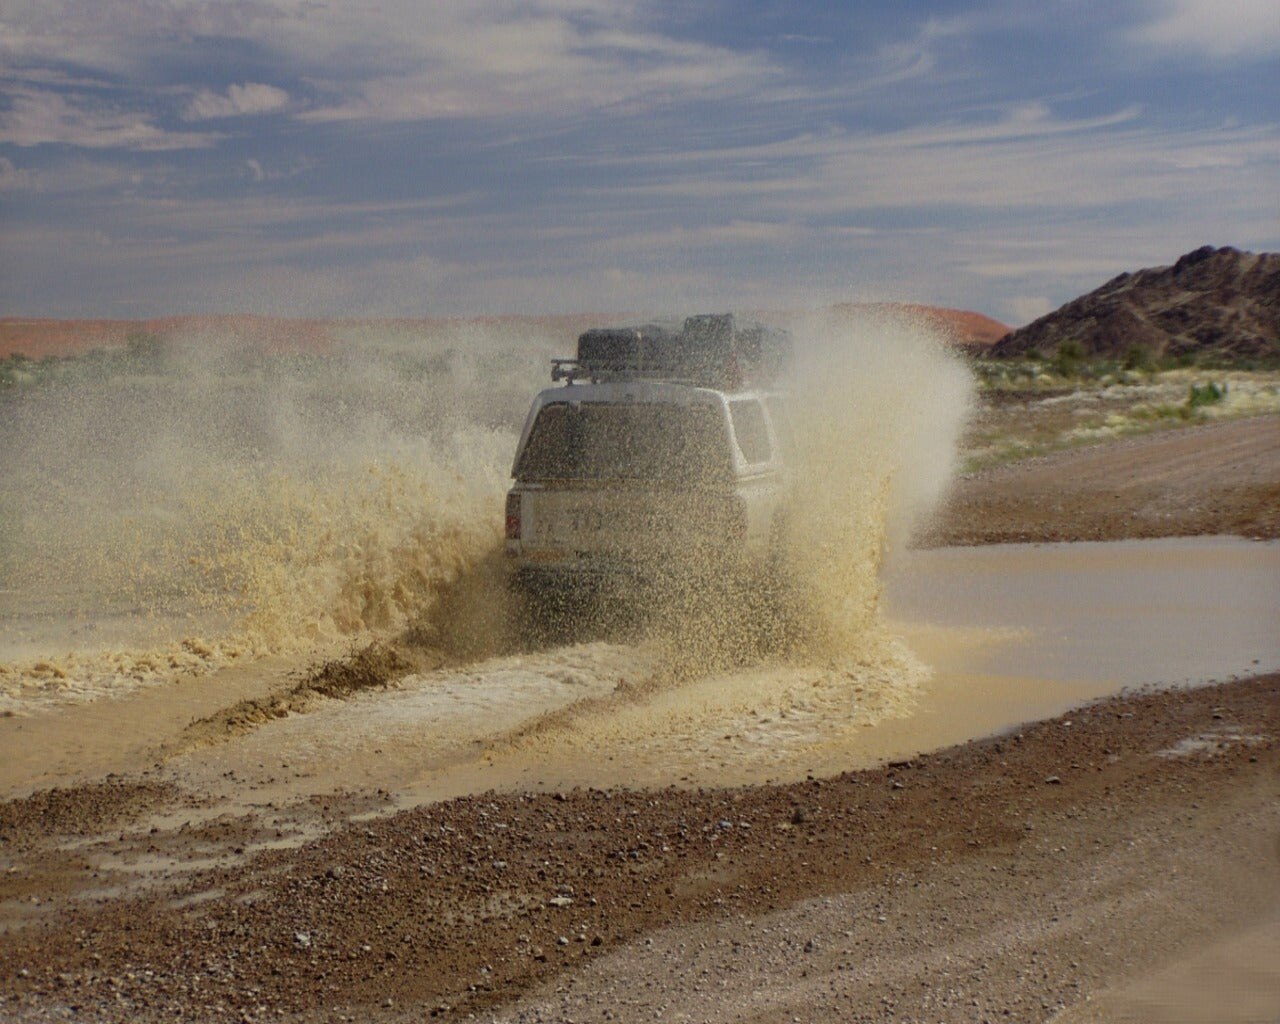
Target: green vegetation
11,371
1139,357
151,355
143,354
1070,366
20,371
1069,359
1200,395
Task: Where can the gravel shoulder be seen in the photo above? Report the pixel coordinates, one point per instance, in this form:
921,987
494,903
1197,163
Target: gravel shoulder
1049,874
1010,878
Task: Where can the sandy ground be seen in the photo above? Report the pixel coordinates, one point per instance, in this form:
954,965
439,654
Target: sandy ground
1119,863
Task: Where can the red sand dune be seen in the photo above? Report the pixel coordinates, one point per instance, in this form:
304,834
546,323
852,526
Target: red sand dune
969,330
37,338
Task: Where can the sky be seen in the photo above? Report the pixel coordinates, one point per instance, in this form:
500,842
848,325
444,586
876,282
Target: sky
478,157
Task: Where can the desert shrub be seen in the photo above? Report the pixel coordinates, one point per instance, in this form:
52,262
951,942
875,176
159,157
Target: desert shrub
1069,358
1199,395
11,370
1180,360
1139,357
1162,411
144,353
20,371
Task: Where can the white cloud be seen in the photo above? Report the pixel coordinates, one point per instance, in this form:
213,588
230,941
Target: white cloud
240,100
71,177
395,60
39,116
1219,29
120,37
736,233
479,64
909,169
1029,159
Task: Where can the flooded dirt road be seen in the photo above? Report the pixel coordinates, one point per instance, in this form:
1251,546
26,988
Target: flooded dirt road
976,640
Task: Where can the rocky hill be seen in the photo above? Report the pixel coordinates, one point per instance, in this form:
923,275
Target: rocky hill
1222,303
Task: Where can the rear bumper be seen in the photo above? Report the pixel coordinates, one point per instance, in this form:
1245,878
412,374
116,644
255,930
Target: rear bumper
586,583
625,582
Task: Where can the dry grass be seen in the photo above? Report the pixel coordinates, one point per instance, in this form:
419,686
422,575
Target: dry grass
1030,414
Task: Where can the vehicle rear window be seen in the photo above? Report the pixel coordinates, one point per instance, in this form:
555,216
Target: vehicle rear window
633,441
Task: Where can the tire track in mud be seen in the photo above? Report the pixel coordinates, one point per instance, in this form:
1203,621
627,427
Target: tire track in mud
374,666
423,724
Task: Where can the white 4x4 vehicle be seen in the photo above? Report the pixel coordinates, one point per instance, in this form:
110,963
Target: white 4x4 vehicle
662,456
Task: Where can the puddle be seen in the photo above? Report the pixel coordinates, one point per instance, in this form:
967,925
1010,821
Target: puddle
978,641
1022,631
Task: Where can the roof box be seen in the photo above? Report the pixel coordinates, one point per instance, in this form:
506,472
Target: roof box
711,350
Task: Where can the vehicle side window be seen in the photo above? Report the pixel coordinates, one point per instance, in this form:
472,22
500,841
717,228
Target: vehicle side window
750,430
781,417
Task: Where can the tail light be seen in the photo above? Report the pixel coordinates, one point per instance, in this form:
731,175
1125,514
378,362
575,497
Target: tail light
513,516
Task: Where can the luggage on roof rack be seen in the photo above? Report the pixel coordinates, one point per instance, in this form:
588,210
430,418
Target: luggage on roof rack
709,350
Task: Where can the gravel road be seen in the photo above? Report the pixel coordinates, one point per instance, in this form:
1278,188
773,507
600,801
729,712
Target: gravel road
1221,477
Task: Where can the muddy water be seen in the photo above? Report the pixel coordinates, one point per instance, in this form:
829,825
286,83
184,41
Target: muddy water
186,508
1019,632
169,522
977,641
974,641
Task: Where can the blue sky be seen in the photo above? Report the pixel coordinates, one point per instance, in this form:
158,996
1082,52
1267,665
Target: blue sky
425,158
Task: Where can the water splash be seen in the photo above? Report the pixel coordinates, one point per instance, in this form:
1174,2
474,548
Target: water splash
209,500
187,503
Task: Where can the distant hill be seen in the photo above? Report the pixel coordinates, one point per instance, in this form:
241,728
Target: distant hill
1219,302
37,338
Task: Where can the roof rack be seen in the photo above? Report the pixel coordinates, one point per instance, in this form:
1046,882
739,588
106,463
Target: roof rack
709,350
